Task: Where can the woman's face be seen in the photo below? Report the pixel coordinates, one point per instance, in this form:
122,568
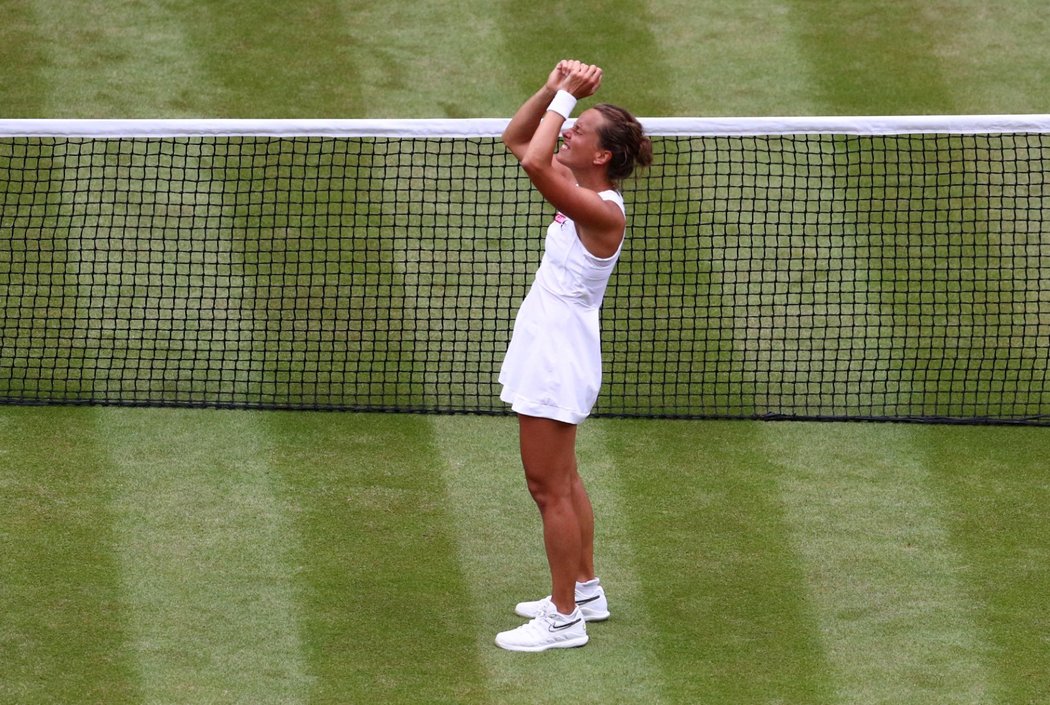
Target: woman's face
580,147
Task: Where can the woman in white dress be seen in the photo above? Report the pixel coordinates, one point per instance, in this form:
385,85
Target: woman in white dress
552,370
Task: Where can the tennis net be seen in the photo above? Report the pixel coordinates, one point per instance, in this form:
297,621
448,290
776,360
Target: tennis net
823,268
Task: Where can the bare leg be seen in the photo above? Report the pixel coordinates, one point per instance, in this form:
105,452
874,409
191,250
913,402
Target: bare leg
585,516
548,453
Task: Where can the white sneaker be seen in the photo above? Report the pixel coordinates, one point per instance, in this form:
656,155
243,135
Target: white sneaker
593,609
549,630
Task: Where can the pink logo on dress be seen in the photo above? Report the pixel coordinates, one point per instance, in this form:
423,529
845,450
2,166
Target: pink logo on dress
560,217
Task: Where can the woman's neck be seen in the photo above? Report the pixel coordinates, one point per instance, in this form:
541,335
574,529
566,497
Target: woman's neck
594,181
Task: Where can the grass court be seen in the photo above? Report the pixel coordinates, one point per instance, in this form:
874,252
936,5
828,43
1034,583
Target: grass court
201,556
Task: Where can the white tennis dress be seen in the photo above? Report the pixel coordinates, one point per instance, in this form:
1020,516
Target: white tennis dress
553,366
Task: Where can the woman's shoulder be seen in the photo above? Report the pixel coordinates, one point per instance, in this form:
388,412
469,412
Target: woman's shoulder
614,196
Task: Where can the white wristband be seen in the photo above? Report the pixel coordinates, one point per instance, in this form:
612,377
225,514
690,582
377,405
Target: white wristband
563,104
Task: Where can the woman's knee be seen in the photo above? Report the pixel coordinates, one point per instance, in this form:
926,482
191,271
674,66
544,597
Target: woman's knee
549,485
548,455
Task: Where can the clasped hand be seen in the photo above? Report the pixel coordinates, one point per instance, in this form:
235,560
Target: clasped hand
580,79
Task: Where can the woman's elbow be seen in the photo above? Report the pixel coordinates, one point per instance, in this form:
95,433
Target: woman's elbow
534,166
514,146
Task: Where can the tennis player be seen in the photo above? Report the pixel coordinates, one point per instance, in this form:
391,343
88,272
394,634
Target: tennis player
552,369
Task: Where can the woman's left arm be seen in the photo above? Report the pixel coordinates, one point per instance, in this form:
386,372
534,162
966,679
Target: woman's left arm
599,223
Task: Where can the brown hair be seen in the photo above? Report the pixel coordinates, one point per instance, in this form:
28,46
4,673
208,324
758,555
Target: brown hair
622,134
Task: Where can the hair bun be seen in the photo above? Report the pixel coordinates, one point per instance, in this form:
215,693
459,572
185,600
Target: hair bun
623,135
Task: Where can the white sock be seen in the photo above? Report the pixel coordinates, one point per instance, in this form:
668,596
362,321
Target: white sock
565,617
589,588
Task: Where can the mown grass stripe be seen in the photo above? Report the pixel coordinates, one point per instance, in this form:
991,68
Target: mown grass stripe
886,583
121,58
645,681
929,57
720,583
620,36
854,63
385,613
993,56
21,46
728,59
311,76
62,628
501,553
205,549
425,59
999,494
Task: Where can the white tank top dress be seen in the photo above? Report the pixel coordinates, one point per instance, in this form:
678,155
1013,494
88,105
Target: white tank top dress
553,365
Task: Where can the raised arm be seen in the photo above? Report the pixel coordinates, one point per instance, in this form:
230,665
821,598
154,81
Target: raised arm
522,127
571,185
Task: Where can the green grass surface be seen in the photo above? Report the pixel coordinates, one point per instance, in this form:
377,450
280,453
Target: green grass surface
166,556
472,58
223,556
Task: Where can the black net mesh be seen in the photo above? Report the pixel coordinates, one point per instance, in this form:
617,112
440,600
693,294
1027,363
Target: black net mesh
802,276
